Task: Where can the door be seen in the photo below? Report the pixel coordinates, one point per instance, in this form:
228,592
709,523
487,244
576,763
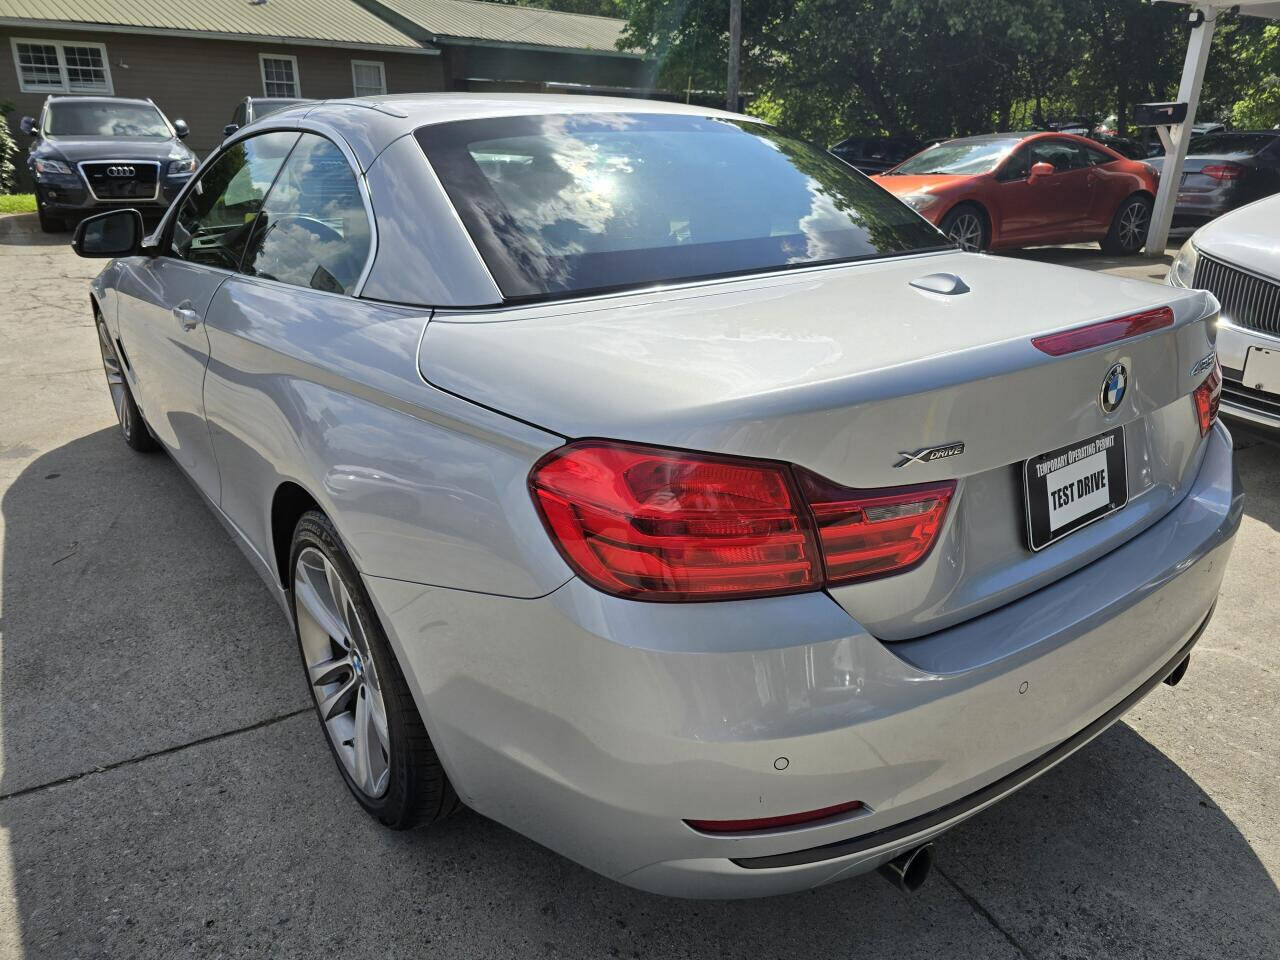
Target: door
288,308
163,299
1046,208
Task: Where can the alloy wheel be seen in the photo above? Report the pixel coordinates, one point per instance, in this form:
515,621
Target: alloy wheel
966,232
1134,222
115,381
342,673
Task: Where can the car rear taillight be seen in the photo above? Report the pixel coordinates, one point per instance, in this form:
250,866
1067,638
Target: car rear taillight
1108,331
654,524
773,823
867,533
1223,171
1207,398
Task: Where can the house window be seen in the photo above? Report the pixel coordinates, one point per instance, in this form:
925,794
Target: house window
54,66
368,79
279,76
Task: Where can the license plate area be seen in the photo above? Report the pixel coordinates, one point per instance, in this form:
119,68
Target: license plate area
1262,369
1069,488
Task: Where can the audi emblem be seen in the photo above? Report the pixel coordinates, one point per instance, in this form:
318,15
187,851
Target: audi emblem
121,171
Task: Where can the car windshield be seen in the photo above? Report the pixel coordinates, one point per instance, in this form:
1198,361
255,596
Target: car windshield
569,203
1231,144
105,119
959,158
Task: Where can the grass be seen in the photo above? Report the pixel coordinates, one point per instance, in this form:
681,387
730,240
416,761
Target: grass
18,203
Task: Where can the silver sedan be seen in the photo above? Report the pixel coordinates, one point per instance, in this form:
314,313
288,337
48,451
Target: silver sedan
657,485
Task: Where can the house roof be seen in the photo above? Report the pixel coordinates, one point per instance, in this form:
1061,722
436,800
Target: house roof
508,24
382,24
336,22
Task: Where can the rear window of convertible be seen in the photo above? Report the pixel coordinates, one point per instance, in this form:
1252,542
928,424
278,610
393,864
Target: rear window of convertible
564,204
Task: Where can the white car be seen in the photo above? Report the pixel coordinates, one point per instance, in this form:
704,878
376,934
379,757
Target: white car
1237,259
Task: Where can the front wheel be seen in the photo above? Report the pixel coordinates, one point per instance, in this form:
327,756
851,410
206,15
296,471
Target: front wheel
1129,227
369,716
134,428
966,227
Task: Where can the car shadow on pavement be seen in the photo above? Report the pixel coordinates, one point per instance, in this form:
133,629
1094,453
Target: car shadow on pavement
23,230
1258,461
167,792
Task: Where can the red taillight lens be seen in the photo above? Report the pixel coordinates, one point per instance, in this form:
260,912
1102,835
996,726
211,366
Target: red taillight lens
770,823
1207,398
654,524
1223,171
661,525
866,533
1108,331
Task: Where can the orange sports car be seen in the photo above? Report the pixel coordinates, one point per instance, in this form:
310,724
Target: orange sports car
1024,189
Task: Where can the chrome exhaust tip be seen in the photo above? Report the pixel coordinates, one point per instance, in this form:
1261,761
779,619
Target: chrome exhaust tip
908,871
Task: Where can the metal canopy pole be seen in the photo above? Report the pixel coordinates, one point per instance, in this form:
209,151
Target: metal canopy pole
1178,137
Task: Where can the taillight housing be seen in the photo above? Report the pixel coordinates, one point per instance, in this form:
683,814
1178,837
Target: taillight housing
649,523
1107,331
1223,171
1207,398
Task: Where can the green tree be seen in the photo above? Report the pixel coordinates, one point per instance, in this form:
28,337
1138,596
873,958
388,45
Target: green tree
1260,56
7,150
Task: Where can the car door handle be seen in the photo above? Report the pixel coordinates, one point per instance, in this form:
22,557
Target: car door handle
187,317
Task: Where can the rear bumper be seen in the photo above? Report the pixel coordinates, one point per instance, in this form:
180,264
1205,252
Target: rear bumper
596,725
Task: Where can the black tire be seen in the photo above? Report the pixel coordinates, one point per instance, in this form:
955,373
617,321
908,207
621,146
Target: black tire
50,224
417,790
132,425
966,226
1128,233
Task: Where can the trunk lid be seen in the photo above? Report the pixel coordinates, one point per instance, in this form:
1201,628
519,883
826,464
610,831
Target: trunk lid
843,370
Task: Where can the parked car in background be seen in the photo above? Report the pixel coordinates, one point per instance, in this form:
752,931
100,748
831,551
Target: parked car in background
92,153
1129,149
1023,189
868,532
255,108
1207,127
1237,259
1224,171
875,154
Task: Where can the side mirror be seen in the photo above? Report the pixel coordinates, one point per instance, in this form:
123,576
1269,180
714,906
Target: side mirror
28,126
181,129
229,129
116,233
1041,169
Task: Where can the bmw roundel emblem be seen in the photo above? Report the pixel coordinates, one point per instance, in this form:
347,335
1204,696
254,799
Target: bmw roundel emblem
1114,388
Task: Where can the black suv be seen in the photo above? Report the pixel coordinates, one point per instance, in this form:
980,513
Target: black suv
94,153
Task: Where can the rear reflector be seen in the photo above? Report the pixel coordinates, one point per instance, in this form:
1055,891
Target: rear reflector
1108,331
866,533
653,524
770,823
1223,171
1207,397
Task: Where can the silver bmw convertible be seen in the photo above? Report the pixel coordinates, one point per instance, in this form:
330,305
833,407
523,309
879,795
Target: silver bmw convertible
662,488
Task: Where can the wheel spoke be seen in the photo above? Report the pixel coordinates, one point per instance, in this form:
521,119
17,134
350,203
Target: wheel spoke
317,609
338,700
330,671
362,745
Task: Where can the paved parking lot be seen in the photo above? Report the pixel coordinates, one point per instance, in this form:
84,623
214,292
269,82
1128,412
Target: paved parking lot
166,792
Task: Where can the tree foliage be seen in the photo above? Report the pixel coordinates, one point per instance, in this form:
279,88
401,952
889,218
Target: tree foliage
7,150
828,68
